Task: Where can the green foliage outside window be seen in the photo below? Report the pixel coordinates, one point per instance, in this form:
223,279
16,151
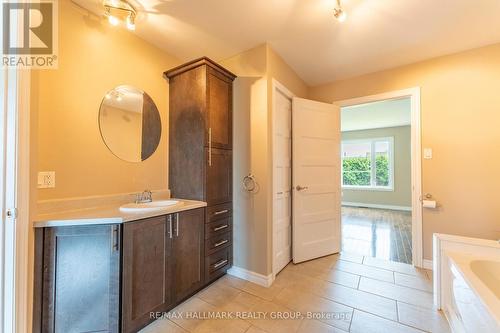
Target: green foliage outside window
357,171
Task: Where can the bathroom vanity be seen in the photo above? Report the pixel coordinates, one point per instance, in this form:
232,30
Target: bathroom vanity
104,270
112,270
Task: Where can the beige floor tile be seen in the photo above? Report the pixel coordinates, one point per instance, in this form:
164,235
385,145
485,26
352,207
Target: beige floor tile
222,325
314,268
412,281
341,277
189,309
353,257
328,261
268,293
218,294
162,326
244,302
315,326
363,322
286,278
393,266
363,270
253,329
308,284
275,317
358,299
424,319
231,281
396,292
319,307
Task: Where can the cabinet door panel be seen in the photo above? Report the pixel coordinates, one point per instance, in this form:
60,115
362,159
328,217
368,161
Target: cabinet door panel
146,282
81,279
188,251
219,177
219,91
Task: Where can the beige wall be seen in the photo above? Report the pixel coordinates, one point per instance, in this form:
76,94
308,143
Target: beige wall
249,146
252,151
93,59
460,121
401,195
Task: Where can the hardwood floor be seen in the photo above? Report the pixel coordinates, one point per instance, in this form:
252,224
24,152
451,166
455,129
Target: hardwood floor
380,233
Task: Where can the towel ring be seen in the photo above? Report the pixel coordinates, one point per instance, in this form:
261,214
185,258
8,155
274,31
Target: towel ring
249,183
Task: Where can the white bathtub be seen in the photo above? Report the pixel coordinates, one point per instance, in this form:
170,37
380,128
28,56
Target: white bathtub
467,282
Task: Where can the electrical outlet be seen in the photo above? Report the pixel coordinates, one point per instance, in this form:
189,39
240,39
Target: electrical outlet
46,179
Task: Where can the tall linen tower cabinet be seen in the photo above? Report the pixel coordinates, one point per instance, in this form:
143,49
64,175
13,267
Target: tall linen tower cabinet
200,152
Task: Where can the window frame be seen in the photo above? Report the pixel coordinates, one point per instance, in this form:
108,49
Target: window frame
373,171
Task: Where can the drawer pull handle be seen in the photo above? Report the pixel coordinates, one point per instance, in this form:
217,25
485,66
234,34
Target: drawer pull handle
221,212
221,227
221,243
220,263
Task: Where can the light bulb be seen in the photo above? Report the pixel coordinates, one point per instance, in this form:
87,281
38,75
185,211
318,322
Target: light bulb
339,14
130,23
113,20
342,17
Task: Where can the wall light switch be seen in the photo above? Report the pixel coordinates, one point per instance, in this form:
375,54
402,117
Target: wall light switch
46,179
427,153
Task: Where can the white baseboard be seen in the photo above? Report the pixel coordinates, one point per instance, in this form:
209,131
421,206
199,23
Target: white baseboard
256,278
427,264
368,205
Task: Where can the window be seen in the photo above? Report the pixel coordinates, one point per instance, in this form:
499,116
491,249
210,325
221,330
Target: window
368,164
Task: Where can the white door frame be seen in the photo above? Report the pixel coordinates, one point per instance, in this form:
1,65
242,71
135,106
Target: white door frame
15,290
276,86
416,159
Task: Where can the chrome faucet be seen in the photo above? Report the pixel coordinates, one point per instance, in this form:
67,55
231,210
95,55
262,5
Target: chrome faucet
144,197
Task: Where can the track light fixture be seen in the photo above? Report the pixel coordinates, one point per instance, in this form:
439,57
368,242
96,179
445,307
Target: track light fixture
120,11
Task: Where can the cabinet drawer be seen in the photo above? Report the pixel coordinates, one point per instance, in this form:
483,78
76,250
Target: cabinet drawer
219,212
218,242
218,227
218,263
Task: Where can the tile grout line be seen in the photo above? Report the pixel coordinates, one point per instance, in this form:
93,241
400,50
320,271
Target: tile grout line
397,322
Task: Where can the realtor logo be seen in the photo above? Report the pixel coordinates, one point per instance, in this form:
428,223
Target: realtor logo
30,34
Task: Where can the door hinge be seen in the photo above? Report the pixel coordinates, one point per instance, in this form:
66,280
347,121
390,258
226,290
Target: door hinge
11,213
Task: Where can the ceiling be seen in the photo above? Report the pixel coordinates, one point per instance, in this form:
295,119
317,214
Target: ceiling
377,35
388,113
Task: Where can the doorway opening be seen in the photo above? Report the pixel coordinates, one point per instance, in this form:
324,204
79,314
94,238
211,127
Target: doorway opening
376,179
381,176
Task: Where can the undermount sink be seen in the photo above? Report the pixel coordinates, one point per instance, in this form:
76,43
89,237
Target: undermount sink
149,206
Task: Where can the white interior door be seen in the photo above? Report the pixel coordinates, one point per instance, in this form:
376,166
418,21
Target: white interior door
282,221
316,179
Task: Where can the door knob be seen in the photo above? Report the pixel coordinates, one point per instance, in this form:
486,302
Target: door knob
301,188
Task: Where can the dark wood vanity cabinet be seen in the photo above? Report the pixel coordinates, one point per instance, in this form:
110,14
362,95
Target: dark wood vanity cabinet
200,151
77,279
146,275
156,262
163,263
188,253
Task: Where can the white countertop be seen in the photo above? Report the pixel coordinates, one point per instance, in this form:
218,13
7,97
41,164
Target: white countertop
108,215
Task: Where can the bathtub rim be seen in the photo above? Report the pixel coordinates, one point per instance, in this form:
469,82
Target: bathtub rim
487,297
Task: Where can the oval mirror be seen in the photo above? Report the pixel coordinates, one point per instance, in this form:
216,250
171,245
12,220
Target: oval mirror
130,123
